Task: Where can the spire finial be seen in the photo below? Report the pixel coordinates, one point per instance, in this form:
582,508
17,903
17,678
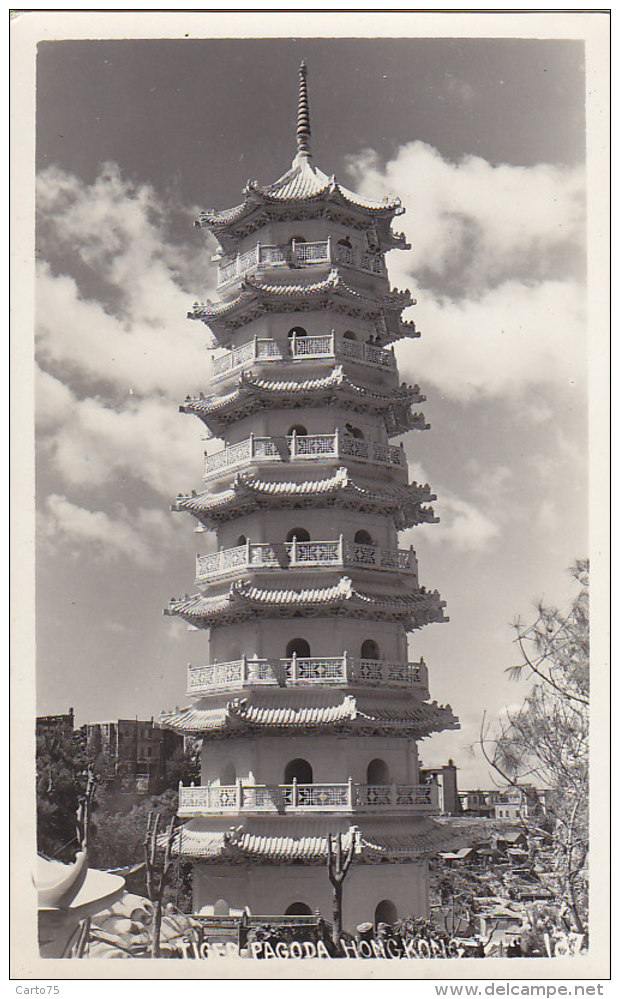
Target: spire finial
303,115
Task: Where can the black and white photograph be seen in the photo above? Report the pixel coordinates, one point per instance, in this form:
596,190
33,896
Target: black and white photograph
310,497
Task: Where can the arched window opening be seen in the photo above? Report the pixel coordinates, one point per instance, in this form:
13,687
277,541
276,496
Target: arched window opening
298,909
221,908
297,331
386,912
377,772
296,239
354,432
349,335
228,774
299,533
370,649
299,770
298,429
298,647
363,538
241,540
345,242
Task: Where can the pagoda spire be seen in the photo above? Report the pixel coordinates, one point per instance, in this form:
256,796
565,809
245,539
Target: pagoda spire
303,116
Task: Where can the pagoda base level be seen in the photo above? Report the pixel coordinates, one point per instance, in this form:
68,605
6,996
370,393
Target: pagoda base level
372,893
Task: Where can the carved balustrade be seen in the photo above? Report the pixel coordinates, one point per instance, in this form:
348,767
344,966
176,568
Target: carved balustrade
282,798
337,554
297,671
298,254
325,345
297,447
228,676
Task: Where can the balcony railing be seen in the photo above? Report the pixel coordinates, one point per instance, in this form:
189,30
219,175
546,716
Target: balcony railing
290,798
316,671
313,447
337,554
295,255
326,346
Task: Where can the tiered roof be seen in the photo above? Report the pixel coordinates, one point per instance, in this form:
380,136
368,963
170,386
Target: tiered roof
243,601
257,298
254,393
305,192
312,194
248,492
293,711
304,839
308,193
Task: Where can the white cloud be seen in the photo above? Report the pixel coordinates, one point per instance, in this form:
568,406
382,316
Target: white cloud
496,264
512,339
54,400
130,324
494,481
476,221
93,444
71,528
463,526
111,319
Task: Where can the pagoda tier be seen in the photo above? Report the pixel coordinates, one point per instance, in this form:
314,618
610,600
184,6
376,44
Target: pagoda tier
307,706
324,349
252,394
248,493
289,711
304,453
332,293
304,193
244,601
311,672
259,838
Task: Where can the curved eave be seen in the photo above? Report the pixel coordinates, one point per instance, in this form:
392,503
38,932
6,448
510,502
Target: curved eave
256,298
305,841
219,411
301,187
406,504
289,711
244,601
286,191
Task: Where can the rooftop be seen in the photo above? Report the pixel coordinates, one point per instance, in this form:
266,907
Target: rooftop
254,393
249,491
294,709
413,608
305,838
303,185
255,298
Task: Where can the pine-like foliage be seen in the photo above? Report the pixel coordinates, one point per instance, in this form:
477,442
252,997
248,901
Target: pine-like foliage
544,743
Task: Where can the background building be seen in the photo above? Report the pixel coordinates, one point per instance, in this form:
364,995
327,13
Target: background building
136,750
61,725
444,778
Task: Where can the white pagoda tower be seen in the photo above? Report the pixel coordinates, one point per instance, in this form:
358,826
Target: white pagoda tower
307,705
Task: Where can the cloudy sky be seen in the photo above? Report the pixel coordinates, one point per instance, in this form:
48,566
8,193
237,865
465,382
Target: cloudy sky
483,140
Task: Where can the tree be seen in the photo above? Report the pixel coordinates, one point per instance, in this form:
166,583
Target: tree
157,872
118,837
337,869
545,741
62,774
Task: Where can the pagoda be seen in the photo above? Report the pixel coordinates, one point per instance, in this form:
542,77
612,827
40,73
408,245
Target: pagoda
307,706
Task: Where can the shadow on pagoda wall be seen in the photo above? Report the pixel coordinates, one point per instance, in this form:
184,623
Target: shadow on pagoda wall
329,758
272,889
334,637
